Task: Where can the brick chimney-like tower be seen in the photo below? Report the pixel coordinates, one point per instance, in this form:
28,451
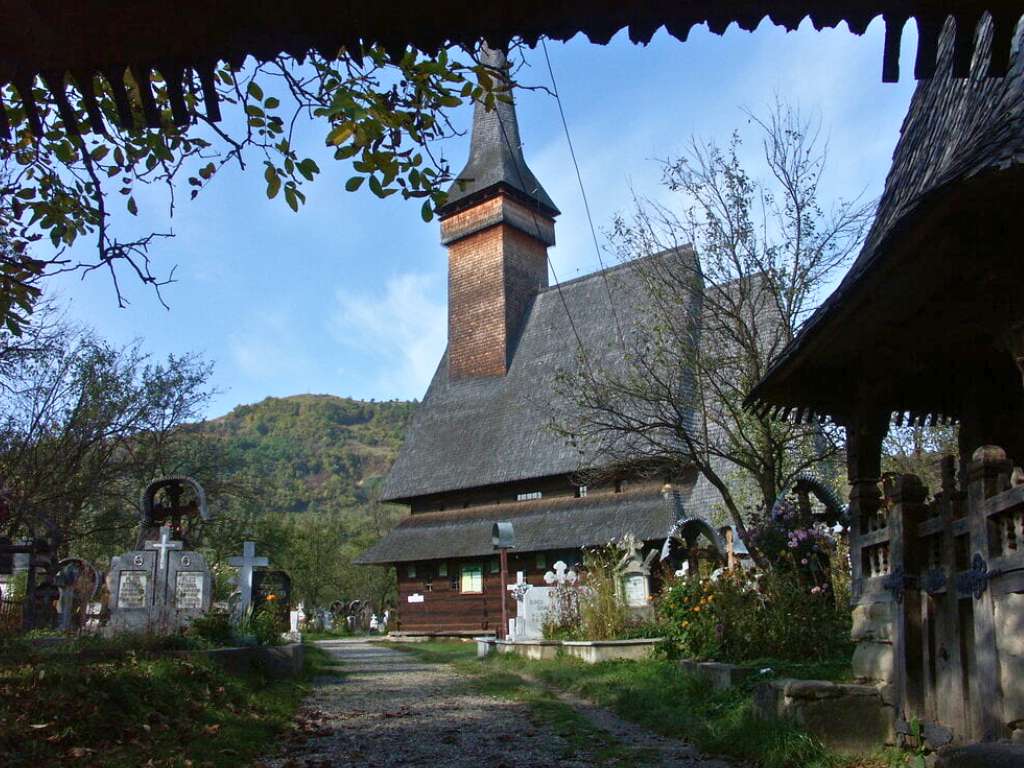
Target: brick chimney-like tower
498,223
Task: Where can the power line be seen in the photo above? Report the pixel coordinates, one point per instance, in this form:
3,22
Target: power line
583,193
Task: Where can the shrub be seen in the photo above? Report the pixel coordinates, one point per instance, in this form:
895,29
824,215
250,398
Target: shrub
214,628
741,617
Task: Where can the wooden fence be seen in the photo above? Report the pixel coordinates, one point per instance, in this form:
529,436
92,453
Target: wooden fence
949,569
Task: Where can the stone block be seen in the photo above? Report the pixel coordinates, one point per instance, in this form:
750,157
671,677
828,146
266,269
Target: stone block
874,661
873,622
998,755
1011,672
1009,616
848,718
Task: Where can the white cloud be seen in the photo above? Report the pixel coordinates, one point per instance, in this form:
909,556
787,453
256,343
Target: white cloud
403,330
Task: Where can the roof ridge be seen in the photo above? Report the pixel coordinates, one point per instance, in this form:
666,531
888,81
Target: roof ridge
621,266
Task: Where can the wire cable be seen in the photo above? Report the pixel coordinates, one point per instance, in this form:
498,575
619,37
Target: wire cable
583,193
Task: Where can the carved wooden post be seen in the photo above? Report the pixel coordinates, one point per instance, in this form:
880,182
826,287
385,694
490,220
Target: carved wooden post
950,701
988,475
906,495
864,437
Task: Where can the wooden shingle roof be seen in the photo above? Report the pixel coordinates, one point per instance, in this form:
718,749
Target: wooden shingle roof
56,39
916,308
480,431
545,524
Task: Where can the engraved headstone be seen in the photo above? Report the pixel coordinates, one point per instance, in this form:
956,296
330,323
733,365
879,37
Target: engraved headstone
158,589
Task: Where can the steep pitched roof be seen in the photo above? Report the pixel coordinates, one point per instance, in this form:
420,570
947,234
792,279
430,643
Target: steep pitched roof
957,132
496,153
546,524
482,431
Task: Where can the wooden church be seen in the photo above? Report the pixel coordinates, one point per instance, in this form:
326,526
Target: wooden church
480,449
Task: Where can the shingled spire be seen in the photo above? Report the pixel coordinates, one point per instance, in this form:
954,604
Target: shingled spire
496,152
497,223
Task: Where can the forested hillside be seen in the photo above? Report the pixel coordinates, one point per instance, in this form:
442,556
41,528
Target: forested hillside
314,451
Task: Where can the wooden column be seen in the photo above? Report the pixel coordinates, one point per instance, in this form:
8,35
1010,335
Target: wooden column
949,695
988,475
906,495
864,436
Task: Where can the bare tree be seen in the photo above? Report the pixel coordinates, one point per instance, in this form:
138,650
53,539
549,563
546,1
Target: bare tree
747,260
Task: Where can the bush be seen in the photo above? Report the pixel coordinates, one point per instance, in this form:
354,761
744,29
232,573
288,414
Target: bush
594,609
741,617
214,628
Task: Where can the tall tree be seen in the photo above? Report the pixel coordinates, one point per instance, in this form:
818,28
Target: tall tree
84,423
750,259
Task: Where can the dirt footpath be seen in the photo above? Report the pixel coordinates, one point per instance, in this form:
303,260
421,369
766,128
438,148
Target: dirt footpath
388,708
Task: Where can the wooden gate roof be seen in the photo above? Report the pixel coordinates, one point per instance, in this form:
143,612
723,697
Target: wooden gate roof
918,313
55,38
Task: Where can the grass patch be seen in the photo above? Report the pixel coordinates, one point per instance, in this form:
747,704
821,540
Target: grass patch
659,696
128,709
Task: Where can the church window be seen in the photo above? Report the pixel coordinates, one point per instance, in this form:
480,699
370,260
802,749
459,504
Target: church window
472,579
581,491
541,562
495,566
529,496
442,569
453,584
410,570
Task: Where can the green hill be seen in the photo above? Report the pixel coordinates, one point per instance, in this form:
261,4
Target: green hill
314,451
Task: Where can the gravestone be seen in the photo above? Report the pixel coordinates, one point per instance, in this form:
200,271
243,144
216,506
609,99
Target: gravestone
159,589
272,588
635,576
78,582
532,611
246,565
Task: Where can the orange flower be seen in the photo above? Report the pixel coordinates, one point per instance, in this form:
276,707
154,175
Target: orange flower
271,598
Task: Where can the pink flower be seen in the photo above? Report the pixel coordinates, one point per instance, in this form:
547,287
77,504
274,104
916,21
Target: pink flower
815,590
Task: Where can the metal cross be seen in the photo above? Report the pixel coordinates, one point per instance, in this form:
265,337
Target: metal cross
245,565
164,545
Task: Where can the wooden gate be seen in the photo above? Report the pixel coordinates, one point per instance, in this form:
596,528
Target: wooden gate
946,567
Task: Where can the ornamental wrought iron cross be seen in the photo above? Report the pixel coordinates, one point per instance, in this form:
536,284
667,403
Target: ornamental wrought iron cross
164,545
561,575
245,565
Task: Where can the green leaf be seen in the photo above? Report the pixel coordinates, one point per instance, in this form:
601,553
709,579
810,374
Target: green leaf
340,134
272,103
99,152
308,168
354,183
255,91
427,211
375,187
133,209
290,198
273,182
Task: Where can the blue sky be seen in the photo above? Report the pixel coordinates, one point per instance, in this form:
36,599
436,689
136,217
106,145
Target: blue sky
347,297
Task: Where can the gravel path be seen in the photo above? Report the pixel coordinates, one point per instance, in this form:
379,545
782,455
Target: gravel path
390,709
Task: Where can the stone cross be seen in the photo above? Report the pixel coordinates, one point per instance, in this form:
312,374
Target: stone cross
164,545
561,575
245,565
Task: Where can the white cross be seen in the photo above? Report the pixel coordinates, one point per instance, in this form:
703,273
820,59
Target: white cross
245,565
164,545
520,588
560,575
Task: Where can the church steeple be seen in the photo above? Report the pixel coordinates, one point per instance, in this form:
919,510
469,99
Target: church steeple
498,223
495,152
